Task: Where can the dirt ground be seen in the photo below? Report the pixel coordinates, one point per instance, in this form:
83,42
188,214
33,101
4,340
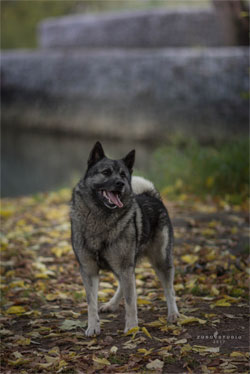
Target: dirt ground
44,309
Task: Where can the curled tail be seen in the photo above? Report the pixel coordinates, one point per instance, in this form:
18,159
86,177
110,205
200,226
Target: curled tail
141,185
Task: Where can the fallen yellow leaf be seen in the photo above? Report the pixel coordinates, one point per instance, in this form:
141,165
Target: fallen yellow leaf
53,360
41,275
189,259
221,302
54,351
6,213
231,299
62,364
178,287
208,232
102,361
164,351
181,341
146,332
234,230
203,348
19,361
132,331
143,302
23,341
191,283
213,224
156,323
45,365
186,320
51,297
211,255
16,310
19,283
59,251
214,291
237,354
186,348
146,352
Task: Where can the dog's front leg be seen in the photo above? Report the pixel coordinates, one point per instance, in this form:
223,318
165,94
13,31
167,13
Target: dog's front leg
127,281
91,282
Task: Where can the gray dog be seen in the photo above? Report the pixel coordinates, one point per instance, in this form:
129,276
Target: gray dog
117,219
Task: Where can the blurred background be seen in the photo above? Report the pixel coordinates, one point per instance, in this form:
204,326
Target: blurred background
168,78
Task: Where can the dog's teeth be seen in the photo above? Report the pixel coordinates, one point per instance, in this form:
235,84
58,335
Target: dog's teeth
104,193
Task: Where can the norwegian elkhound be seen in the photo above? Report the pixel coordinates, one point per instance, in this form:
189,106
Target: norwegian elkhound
115,220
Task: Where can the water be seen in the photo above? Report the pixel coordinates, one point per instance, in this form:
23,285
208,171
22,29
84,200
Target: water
33,162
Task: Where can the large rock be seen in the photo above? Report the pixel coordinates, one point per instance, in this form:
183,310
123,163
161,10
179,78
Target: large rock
134,29
141,94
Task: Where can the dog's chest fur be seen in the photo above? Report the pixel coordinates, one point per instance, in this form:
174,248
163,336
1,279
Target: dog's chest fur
100,231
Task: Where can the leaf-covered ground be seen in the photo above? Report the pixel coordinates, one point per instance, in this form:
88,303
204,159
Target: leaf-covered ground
44,308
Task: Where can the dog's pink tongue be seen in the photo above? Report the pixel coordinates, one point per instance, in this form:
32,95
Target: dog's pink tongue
115,199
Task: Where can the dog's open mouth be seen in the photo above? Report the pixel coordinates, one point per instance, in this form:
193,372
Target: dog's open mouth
112,199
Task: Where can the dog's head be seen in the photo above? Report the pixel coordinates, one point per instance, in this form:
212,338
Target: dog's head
109,181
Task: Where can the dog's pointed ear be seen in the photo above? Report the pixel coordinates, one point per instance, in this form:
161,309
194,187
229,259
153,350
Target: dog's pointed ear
129,160
96,154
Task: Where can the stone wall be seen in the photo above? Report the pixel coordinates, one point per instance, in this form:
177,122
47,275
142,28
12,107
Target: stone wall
184,27
136,93
133,93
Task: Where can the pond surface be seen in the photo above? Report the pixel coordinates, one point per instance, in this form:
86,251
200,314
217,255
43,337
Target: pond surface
37,162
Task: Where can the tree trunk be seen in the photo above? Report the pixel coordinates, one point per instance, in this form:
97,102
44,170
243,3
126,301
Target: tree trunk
234,18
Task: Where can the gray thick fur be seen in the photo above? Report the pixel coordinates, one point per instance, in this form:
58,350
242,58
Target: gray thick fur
116,219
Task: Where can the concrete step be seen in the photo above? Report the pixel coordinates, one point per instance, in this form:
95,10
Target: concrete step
136,94
134,29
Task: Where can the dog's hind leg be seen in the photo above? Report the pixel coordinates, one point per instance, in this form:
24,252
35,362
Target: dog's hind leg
161,258
113,304
166,277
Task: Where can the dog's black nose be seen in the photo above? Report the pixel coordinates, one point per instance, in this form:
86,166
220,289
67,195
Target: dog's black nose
119,184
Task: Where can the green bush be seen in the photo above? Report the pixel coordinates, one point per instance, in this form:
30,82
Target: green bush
19,20
221,170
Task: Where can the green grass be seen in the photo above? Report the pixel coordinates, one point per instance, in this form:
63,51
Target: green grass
19,20
221,170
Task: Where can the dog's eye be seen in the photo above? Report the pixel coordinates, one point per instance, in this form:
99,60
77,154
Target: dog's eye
107,172
123,174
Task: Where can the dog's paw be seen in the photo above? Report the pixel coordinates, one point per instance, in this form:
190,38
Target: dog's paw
107,307
93,330
172,318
